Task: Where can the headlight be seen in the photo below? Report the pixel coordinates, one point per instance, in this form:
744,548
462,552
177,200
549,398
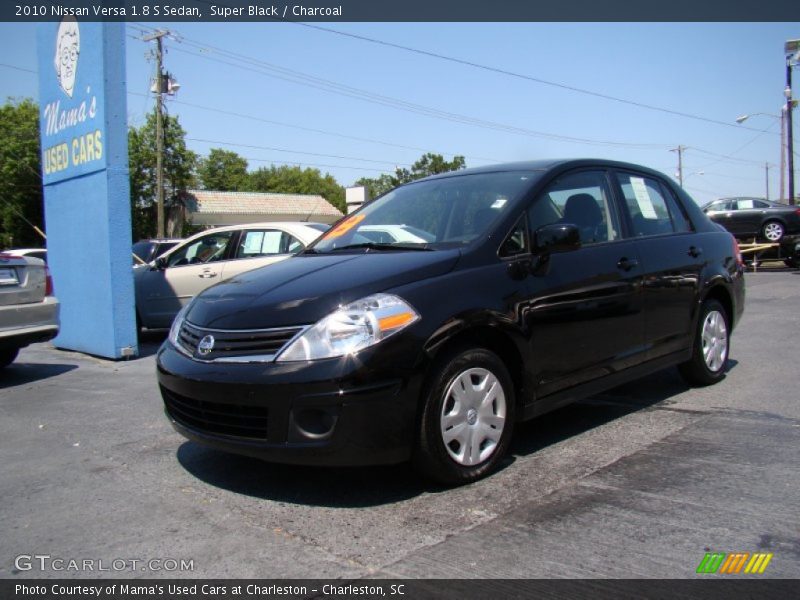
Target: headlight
351,328
176,326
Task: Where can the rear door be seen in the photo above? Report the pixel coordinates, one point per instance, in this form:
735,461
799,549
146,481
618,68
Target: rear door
584,306
672,259
259,247
748,216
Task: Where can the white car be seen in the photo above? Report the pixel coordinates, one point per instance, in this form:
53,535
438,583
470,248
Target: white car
390,234
34,252
29,312
167,284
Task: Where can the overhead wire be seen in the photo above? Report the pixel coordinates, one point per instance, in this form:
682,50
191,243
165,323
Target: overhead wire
531,78
275,71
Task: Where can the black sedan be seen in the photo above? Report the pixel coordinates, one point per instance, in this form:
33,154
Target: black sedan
536,284
754,217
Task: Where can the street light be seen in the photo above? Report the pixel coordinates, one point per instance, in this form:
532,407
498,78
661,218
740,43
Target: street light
781,118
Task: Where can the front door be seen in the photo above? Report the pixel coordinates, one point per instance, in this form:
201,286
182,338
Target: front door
190,268
584,311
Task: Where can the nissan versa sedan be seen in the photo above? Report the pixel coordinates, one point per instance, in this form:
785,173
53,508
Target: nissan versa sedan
169,282
538,284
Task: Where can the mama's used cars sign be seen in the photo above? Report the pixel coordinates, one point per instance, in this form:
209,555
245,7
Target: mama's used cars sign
71,102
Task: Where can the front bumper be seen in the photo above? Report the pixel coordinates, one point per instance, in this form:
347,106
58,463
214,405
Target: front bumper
24,324
347,411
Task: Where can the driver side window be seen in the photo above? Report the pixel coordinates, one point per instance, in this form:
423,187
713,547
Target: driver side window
209,248
581,199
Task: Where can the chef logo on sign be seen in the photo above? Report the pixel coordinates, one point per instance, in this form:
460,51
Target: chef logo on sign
68,47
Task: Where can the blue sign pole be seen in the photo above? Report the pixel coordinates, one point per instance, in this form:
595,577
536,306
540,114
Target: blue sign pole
84,132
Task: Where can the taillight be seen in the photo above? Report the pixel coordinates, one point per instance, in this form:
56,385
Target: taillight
48,285
736,252
797,212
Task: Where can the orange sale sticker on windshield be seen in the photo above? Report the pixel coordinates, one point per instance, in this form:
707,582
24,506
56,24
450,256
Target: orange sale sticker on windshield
343,227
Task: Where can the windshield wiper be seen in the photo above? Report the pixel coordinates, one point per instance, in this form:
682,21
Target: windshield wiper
381,247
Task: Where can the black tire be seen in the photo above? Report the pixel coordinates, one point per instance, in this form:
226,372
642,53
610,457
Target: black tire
463,367
792,263
7,356
697,370
773,231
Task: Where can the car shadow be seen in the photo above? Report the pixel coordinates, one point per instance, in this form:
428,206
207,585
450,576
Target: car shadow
21,373
355,487
336,487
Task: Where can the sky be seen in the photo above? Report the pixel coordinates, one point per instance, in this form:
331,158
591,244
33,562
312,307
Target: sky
379,106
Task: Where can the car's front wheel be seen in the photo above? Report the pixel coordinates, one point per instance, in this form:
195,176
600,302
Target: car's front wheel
7,356
467,418
772,231
711,346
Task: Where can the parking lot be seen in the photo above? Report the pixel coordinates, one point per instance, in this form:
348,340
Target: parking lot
639,482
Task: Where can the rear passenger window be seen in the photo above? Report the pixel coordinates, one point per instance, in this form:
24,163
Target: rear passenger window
652,210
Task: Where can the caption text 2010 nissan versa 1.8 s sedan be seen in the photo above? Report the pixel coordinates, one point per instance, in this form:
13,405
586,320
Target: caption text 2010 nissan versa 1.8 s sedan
533,285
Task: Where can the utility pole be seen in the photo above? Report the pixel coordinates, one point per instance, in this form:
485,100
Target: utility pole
783,154
791,51
679,150
159,89
766,171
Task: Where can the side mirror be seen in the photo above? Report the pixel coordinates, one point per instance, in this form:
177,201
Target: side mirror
161,263
556,237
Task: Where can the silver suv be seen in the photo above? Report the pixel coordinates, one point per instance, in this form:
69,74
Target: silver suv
28,309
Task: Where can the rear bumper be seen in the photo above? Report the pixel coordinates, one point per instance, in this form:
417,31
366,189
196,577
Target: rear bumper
24,324
334,412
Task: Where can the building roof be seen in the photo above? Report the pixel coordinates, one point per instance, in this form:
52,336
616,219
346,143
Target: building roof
260,203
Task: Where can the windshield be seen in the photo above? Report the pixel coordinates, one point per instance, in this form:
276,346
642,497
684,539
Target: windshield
439,213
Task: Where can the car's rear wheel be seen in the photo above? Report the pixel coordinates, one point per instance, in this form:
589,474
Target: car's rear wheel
467,418
711,346
7,356
772,231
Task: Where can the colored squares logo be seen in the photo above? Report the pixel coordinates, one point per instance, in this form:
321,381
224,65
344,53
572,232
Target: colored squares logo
734,563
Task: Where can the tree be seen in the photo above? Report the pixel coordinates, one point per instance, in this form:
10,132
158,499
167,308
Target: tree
428,164
21,196
223,170
179,171
294,180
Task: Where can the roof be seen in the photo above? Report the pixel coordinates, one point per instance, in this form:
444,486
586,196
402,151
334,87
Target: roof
258,203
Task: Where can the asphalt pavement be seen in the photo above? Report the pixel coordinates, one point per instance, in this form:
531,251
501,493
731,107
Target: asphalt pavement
639,482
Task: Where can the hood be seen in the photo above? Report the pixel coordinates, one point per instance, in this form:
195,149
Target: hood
303,289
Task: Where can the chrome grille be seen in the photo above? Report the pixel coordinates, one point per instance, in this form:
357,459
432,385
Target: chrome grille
235,345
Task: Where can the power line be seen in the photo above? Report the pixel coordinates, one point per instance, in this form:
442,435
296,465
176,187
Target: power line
18,68
311,129
521,76
300,78
388,162
304,164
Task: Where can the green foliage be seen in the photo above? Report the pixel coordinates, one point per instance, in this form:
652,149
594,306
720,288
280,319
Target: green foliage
20,175
223,171
294,180
428,164
179,169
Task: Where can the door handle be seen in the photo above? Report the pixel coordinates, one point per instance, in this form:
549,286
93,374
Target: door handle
626,264
207,274
694,251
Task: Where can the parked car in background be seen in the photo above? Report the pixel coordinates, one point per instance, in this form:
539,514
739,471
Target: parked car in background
167,283
754,217
40,253
28,309
149,250
535,284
